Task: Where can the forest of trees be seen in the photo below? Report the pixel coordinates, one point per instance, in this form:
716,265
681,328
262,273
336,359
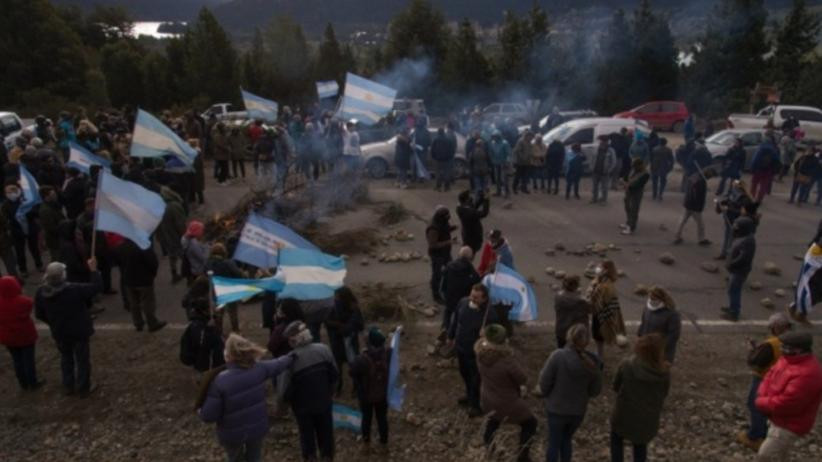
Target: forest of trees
58,57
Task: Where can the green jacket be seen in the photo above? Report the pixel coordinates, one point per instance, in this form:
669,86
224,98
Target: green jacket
173,225
641,392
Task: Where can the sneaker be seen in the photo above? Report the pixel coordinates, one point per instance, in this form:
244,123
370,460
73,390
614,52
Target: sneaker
626,232
678,241
705,242
463,401
87,392
729,317
157,326
474,412
742,438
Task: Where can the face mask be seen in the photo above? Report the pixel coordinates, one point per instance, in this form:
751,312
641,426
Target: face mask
13,196
598,271
654,305
472,305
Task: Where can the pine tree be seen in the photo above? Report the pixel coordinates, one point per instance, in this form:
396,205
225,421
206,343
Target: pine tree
210,60
418,31
513,37
465,66
796,39
120,62
330,62
155,69
615,67
291,62
256,65
654,70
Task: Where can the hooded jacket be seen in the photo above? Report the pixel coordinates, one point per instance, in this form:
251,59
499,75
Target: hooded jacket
791,392
309,384
567,382
501,378
465,330
138,267
744,248
641,391
16,327
460,276
471,215
666,322
369,372
64,308
555,158
201,345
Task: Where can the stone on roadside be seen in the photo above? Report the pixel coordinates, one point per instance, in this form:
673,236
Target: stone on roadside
560,274
621,273
550,253
667,259
641,290
413,419
755,285
767,303
599,248
431,350
555,287
709,267
779,293
559,246
532,280
508,206
365,262
550,271
771,269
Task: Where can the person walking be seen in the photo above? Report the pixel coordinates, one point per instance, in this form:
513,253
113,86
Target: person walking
51,215
570,308
438,235
739,265
607,324
790,395
537,168
732,164
604,165
64,306
500,153
460,277
764,166
554,161
201,345
501,379
662,162
569,379
661,317
479,166
403,153
220,265
222,153
642,383
138,270
369,372
471,211
235,399
694,205
522,162
804,170
634,190
761,357
17,332
730,207
574,170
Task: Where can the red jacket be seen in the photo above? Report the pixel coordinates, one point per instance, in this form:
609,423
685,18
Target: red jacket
791,392
16,326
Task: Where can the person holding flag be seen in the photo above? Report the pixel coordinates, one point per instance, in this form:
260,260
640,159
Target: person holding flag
220,265
17,207
809,284
369,371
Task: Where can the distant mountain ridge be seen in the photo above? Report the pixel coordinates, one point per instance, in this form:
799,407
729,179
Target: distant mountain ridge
151,10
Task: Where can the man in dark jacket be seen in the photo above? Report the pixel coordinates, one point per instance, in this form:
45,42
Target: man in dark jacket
51,215
471,212
732,165
370,375
739,265
443,154
138,269
764,165
460,277
309,387
554,161
438,235
662,162
64,307
695,204
473,313
74,193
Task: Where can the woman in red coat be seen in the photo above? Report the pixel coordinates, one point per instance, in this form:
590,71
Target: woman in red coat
17,332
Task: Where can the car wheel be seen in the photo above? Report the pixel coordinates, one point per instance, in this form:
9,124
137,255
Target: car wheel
460,168
678,126
377,168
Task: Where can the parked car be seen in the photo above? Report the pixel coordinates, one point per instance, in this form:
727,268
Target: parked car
404,106
10,127
586,131
810,119
514,111
661,115
224,111
719,143
379,157
564,116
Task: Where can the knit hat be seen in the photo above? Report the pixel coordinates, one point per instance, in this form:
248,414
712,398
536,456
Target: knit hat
55,274
799,340
376,338
195,229
495,334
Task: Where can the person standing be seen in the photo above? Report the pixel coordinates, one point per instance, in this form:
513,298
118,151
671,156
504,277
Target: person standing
739,265
222,153
171,230
237,142
369,372
661,317
7,248
235,399
570,308
344,325
634,190
642,384
219,263
471,212
804,171
639,148
194,252
694,205
201,345
64,306
764,166
732,164
538,155
604,164
460,276
790,395
500,152
662,162
17,332
403,153
443,155
22,237
554,161
761,357
569,379
574,171
138,270
352,154
479,165
607,324
730,207
438,235
501,379
522,162
51,215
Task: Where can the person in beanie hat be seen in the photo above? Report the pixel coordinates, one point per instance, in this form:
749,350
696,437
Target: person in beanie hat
790,395
369,372
761,357
502,379
194,253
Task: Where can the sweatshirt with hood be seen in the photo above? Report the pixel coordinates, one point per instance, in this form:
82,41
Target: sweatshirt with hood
740,261
501,379
16,327
641,391
64,307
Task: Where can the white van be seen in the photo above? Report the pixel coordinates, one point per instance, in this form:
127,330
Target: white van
586,131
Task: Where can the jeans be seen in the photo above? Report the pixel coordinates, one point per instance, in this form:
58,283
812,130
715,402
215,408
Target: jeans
618,452
553,180
761,185
700,225
528,429
520,178
24,366
632,202
222,170
776,445
248,451
75,364
235,163
600,187
571,183
561,429
448,315
444,173
500,175
470,376
142,301
437,272
759,423
658,183
381,411
735,284
722,181
804,190
728,238
316,430
479,183
538,177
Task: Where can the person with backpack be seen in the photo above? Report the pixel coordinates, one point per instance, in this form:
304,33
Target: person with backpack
195,252
344,324
369,371
201,346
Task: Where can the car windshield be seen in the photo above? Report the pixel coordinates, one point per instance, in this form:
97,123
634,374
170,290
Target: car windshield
722,138
558,133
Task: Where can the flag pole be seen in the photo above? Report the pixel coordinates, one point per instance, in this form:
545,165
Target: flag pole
211,309
93,252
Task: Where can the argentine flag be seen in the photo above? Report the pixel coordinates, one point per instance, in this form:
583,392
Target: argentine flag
422,172
347,418
260,108
29,197
128,209
261,240
327,89
365,100
310,274
152,138
809,285
82,159
230,290
509,287
396,392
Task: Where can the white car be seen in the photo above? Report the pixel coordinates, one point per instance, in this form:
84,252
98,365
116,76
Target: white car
809,118
10,128
586,131
379,157
719,143
501,111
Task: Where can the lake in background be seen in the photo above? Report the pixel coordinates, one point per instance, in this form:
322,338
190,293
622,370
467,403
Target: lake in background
149,28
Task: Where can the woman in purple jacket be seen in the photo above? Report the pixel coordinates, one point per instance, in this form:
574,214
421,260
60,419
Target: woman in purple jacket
236,398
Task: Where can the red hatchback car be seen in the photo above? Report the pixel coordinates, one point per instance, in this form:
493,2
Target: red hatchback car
661,115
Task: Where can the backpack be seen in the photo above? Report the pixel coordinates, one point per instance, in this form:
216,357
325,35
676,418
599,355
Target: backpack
376,388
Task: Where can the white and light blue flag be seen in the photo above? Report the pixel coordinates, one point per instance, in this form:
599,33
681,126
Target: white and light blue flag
422,172
310,274
327,89
261,240
229,290
29,197
509,287
365,100
809,284
347,418
152,138
128,209
259,107
81,159
396,392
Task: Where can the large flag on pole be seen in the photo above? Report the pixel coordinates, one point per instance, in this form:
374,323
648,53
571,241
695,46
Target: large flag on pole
396,392
509,287
128,209
365,100
29,197
310,274
259,107
81,159
422,172
152,138
229,290
261,240
809,285
347,418
327,89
